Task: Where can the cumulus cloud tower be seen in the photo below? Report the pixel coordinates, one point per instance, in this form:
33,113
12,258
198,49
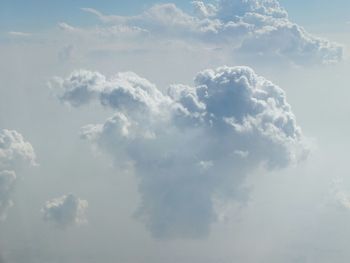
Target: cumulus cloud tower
191,144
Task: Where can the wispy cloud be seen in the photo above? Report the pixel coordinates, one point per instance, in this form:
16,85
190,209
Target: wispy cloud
19,34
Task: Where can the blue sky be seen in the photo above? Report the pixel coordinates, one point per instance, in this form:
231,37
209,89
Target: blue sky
22,15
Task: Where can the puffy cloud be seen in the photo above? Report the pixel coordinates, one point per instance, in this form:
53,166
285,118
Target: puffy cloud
192,144
65,211
14,153
282,38
14,150
123,91
249,27
204,10
230,10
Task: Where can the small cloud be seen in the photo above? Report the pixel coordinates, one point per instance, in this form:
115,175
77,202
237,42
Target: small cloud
65,211
205,165
102,17
65,27
242,154
19,34
339,196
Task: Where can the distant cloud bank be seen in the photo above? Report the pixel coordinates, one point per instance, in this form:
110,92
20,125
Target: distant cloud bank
258,28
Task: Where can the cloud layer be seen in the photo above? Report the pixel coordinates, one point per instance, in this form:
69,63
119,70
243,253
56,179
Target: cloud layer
192,144
248,27
14,153
65,211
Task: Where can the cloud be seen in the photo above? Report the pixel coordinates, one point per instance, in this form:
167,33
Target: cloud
19,34
192,144
339,197
14,153
65,211
248,27
102,17
204,10
14,150
7,179
229,10
107,33
66,27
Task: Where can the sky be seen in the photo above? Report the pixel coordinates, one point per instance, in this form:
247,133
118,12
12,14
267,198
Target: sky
184,131
41,15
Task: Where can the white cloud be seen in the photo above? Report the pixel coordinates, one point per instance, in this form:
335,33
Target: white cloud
248,27
204,10
230,10
19,34
66,27
65,211
14,153
114,32
191,144
14,150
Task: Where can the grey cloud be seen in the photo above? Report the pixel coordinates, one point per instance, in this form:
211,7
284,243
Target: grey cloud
65,211
14,153
252,27
338,196
192,144
7,180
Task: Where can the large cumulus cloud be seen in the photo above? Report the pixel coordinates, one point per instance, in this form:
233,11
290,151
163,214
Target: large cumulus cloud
15,152
65,211
191,144
249,27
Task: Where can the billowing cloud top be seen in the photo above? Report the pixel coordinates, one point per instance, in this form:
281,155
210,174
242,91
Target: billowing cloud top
65,211
250,27
14,152
192,144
